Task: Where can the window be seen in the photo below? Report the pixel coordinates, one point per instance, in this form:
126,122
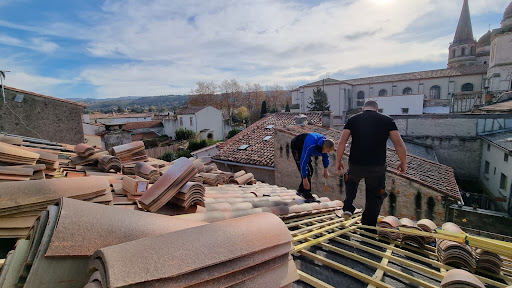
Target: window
494,170
453,53
243,147
505,157
181,121
486,167
405,110
269,127
266,138
435,92
407,91
503,182
360,99
488,147
467,87
383,92
463,51
381,110
190,121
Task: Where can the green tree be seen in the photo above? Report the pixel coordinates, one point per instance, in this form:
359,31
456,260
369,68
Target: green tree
320,102
263,109
287,108
232,133
185,134
119,109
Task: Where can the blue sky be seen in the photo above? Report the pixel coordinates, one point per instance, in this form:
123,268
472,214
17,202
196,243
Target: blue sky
103,49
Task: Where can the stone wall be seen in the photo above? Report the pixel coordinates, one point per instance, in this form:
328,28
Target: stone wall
116,138
406,203
52,119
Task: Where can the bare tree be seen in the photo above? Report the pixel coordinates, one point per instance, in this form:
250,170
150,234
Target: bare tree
204,94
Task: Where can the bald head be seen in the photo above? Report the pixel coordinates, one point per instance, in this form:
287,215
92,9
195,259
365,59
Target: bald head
371,105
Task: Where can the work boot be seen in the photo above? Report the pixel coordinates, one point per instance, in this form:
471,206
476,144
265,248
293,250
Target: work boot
346,215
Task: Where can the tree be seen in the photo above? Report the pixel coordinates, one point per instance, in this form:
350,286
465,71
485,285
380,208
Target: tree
231,95
184,134
287,109
263,109
119,109
242,113
204,94
320,102
232,133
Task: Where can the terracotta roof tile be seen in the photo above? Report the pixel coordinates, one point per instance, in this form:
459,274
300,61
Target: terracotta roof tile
438,177
45,96
142,125
259,152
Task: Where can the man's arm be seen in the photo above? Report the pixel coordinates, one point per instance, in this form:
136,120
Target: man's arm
401,151
325,161
345,135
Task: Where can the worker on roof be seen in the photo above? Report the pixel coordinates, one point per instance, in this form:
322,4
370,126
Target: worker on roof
370,131
303,147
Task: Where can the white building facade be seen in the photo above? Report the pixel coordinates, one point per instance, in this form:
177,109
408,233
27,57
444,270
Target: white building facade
205,121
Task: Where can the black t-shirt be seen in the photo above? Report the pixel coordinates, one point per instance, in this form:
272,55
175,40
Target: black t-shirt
370,132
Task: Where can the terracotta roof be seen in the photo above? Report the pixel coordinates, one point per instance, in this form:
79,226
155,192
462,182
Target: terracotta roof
502,139
190,110
142,125
145,135
438,177
439,73
45,96
128,115
259,152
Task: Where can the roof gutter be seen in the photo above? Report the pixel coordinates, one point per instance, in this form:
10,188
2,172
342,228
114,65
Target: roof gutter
243,164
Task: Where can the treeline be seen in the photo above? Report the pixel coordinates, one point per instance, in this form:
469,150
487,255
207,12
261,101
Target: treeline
135,104
230,96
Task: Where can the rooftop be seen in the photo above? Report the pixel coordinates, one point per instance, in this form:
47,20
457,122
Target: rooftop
119,115
438,177
45,96
502,139
259,152
190,110
142,125
498,107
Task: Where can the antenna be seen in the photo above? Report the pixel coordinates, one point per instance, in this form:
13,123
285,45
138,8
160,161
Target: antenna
2,77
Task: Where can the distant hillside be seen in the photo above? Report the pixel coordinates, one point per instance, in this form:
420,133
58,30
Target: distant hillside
135,103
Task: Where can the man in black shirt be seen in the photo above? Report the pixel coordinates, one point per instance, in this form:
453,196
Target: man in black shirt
370,131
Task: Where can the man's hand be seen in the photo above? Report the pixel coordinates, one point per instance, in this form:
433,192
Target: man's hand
326,173
402,167
305,183
339,168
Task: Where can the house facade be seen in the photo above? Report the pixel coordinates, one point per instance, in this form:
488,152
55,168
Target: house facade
205,121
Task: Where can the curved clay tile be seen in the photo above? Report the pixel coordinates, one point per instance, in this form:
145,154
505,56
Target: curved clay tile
82,227
407,222
462,278
427,225
160,257
452,227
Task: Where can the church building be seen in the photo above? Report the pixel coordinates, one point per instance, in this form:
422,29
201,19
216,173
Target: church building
477,72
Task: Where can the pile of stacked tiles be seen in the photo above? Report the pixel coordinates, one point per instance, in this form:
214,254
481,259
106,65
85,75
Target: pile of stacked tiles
128,169
389,222
14,155
197,178
166,187
429,226
211,179
414,240
78,161
107,163
84,150
453,253
245,179
146,171
488,261
57,250
264,261
199,164
190,194
130,153
10,173
457,278
22,201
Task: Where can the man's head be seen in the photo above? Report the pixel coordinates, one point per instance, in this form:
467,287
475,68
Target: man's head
371,105
328,146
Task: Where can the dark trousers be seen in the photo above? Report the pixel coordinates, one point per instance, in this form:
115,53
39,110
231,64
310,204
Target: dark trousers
296,146
375,180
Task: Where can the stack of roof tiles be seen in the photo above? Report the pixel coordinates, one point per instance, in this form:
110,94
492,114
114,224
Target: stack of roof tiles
107,163
457,278
10,173
264,261
166,187
488,261
245,179
84,150
190,194
130,153
429,226
389,222
146,171
453,253
14,155
57,250
414,240
78,161
128,169
211,178
21,201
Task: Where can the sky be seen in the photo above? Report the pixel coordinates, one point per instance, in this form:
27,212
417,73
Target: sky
110,48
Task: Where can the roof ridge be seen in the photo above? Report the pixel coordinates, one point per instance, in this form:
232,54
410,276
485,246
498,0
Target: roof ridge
46,96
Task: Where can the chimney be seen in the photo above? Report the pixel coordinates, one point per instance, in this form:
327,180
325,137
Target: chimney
301,119
327,119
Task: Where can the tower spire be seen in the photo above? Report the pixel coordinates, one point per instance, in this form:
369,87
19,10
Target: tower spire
464,33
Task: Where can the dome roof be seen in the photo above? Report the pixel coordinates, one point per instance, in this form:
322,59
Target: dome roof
485,40
508,12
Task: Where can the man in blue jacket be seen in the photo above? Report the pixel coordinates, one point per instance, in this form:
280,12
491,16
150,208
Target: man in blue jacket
303,147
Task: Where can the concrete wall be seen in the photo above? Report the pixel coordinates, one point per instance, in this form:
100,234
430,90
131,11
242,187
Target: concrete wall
393,105
263,175
52,119
115,138
170,126
405,190
497,165
489,221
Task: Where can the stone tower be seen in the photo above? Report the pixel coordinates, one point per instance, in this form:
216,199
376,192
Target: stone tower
462,50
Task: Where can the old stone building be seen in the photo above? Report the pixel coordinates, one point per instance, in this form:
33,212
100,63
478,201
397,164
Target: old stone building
425,191
40,116
474,68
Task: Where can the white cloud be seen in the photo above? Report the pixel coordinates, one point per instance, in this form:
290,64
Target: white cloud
36,44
